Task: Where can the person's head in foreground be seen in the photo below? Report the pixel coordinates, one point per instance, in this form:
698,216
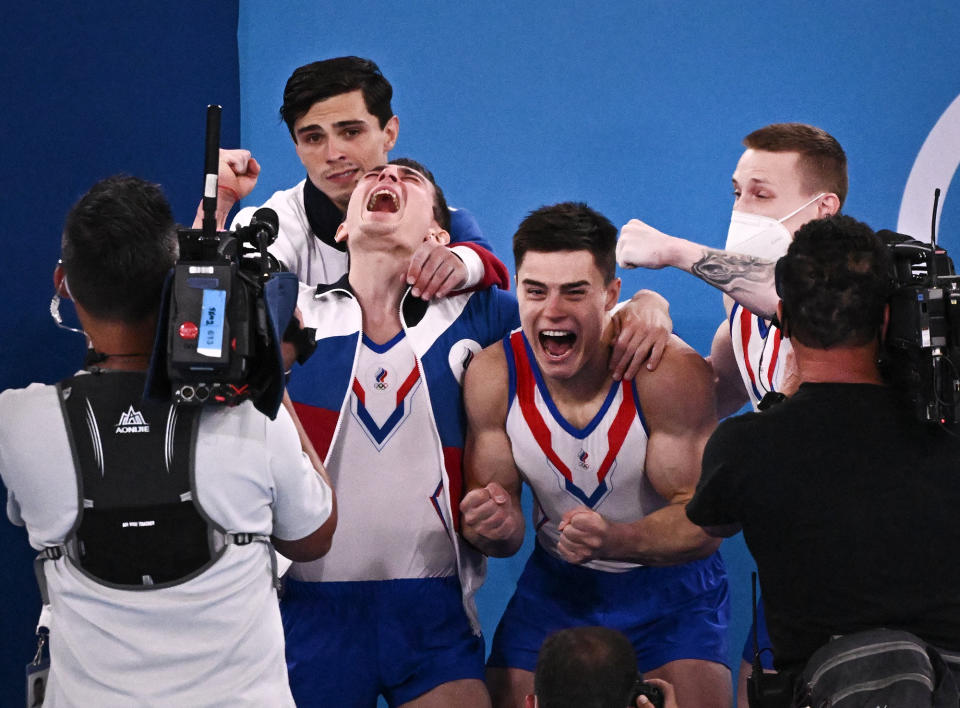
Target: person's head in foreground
834,283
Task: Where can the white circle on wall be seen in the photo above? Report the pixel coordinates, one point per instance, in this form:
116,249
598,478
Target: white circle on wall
934,167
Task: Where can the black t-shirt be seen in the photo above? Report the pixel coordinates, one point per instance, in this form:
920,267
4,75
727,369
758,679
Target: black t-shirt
851,509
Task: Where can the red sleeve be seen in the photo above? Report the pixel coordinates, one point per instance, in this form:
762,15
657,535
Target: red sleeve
494,271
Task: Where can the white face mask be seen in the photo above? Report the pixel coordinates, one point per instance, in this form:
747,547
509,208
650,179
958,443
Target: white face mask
761,236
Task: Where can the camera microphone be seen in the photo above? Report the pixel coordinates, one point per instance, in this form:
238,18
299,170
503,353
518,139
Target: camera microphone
263,224
211,166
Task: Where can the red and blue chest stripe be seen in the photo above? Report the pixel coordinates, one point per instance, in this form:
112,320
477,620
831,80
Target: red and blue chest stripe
526,379
381,432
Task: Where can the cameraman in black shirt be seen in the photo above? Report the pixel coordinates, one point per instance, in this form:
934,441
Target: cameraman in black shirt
847,502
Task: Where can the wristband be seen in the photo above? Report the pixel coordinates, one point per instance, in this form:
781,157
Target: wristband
230,190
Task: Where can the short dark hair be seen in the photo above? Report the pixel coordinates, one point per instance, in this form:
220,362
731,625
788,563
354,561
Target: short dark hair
119,243
568,226
585,667
441,212
834,283
822,159
324,79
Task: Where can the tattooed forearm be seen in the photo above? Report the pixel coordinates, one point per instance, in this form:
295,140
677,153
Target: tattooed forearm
722,269
747,279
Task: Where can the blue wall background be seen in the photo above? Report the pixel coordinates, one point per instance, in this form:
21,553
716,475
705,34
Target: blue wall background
637,108
89,91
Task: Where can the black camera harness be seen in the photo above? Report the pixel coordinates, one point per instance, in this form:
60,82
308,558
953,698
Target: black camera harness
139,524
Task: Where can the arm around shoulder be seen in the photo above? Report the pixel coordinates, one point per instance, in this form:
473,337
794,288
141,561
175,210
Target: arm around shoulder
484,267
642,328
489,270
465,229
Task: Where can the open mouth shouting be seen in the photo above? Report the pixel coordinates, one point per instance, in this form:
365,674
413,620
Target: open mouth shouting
557,343
384,200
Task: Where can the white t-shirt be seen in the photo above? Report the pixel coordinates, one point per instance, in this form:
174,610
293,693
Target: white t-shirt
215,640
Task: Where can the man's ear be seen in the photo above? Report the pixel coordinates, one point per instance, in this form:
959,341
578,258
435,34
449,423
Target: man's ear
60,282
392,129
612,295
341,234
886,322
435,233
784,328
828,206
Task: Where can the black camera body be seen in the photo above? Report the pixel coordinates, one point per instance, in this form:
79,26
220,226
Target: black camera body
213,321
228,303
922,345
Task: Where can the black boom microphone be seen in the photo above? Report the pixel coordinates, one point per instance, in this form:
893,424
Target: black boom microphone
211,168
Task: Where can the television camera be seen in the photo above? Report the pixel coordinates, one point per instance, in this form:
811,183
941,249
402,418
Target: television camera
226,306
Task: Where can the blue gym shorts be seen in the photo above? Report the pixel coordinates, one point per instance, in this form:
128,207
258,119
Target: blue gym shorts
348,642
669,613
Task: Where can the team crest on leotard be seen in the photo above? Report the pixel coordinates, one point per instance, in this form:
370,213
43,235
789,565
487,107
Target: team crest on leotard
380,379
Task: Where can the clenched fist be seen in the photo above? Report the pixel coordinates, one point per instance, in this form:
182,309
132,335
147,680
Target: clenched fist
583,535
642,246
489,512
238,172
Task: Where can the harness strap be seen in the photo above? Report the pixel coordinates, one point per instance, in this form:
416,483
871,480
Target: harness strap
242,539
54,553
41,578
